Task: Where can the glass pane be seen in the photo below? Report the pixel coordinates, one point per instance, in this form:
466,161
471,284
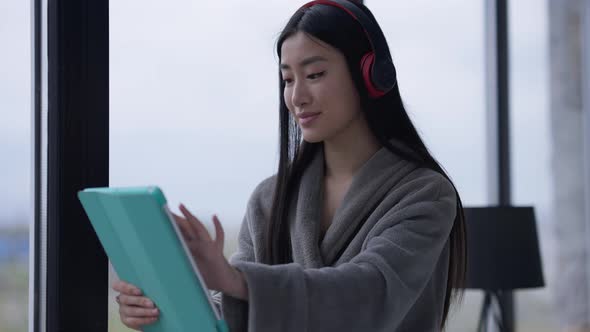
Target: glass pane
186,111
530,141
193,103
15,175
438,49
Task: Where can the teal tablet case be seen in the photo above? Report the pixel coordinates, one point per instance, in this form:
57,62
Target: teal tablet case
145,247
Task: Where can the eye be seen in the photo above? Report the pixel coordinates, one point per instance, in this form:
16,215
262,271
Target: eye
311,76
316,75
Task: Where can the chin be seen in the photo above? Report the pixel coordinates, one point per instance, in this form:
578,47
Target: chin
312,137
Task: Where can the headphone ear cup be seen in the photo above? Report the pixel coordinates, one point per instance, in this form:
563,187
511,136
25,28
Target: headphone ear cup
367,62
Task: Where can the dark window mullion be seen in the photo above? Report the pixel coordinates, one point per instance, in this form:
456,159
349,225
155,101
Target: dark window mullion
77,157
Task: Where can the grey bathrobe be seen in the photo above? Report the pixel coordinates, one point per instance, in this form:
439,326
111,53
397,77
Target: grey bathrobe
381,266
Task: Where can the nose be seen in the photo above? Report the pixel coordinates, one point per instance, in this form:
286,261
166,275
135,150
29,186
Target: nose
300,94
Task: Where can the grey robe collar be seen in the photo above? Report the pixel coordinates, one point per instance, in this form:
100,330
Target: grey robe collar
368,187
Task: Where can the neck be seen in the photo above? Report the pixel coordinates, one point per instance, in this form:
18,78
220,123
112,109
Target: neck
345,154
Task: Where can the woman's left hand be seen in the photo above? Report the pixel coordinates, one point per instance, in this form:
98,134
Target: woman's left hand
216,271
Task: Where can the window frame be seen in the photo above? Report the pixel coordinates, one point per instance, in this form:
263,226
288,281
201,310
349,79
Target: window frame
69,277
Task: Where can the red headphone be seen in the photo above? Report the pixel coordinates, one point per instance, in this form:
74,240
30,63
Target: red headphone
376,66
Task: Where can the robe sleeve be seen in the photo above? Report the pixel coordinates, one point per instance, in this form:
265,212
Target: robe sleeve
235,311
373,291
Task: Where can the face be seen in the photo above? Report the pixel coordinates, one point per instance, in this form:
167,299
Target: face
317,80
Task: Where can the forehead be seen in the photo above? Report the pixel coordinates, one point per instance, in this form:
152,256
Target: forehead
300,46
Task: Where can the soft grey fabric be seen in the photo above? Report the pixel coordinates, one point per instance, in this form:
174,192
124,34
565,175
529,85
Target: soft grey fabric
381,266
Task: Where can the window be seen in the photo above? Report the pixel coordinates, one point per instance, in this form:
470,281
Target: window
194,103
438,50
15,149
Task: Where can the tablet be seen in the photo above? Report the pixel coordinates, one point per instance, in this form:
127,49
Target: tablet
147,249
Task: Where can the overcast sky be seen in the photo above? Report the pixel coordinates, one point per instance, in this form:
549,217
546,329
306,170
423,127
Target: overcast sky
193,98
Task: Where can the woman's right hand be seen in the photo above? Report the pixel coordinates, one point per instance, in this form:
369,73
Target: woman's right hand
135,310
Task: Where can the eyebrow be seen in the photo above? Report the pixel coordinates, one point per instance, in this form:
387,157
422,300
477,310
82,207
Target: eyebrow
306,61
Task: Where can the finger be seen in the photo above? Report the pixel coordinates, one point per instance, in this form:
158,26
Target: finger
117,285
140,301
137,323
139,312
186,229
126,288
195,223
219,233
176,216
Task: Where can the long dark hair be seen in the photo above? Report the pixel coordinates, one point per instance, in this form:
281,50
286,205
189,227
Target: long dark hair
387,119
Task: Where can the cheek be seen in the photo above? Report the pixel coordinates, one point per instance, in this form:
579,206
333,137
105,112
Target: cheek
340,97
287,98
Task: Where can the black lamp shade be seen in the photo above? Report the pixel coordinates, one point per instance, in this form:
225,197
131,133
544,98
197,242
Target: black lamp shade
502,248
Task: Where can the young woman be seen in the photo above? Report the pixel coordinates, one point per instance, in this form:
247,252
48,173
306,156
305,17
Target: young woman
360,229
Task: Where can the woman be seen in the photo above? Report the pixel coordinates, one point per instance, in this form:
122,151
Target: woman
360,229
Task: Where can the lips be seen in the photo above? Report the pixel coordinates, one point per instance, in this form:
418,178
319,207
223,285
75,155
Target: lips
309,119
307,114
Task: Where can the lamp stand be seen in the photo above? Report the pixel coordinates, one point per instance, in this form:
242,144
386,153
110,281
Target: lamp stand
491,297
